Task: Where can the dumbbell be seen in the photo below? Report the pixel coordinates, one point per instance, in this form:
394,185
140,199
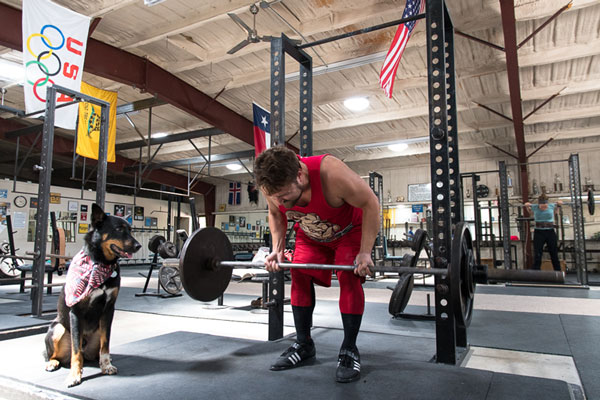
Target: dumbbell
158,244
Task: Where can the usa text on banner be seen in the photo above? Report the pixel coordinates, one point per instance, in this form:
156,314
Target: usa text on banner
54,42
392,60
88,128
262,129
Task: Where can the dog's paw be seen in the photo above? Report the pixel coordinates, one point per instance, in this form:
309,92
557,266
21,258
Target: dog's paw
73,379
105,365
109,369
52,365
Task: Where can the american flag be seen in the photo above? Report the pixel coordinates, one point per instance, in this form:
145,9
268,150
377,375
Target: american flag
392,60
235,193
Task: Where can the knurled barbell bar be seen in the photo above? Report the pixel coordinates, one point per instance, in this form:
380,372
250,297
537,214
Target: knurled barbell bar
206,263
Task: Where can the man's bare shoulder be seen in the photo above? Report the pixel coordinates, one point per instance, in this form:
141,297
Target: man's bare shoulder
332,166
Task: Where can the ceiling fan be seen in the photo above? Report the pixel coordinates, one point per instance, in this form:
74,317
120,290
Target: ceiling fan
252,34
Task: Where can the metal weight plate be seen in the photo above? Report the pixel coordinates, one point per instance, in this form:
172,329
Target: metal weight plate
167,250
461,275
154,242
170,279
418,241
202,279
591,202
401,294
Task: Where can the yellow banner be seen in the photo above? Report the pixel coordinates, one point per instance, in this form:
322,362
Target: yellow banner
88,127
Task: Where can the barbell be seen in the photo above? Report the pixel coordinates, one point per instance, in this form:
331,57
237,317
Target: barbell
206,263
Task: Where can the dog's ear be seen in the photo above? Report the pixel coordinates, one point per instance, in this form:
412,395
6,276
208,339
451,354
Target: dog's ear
98,215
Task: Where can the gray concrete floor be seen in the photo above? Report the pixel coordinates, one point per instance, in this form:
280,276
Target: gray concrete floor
130,326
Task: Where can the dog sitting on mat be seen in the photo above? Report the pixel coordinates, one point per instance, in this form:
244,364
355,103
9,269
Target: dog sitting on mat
86,305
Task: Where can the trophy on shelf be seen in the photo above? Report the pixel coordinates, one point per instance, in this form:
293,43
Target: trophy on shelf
509,184
535,190
558,186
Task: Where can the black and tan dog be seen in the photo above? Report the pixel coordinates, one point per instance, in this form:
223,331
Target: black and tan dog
86,304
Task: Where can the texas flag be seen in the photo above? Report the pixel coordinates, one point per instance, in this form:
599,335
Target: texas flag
262,129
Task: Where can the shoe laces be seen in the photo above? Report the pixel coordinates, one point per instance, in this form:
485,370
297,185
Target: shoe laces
347,358
294,348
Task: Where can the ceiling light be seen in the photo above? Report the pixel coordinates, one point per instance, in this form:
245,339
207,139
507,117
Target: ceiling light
391,142
11,72
150,3
159,135
398,147
234,167
356,103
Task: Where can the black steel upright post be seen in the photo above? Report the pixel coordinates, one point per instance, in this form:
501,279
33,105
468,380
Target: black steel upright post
440,177
102,155
578,228
277,92
169,216
279,47
195,224
452,124
306,84
41,227
476,217
276,279
504,214
376,184
178,223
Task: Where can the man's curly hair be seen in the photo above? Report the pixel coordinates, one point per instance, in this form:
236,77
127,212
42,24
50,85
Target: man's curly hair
275,168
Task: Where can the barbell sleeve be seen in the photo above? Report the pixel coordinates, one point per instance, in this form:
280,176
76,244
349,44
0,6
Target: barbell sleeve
401,270
525,275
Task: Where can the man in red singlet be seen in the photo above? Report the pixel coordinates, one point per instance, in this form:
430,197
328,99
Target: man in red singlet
336,218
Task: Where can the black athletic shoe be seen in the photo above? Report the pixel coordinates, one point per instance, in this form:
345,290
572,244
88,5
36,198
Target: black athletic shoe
294,356
348,369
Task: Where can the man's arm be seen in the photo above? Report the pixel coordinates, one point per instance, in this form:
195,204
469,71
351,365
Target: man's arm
345,185
278,228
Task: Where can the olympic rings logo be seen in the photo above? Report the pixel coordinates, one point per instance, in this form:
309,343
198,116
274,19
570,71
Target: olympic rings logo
69,70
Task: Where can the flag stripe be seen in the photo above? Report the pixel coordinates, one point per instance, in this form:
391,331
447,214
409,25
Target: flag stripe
392,59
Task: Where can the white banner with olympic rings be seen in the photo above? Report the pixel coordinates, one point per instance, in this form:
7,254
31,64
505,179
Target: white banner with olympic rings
54,42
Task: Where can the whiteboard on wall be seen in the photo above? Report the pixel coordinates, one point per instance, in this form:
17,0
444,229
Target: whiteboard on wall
419,192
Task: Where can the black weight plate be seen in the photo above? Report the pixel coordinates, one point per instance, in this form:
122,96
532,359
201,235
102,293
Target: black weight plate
418,241
201,277
167,250
462,284
482,191
591,202
170,279
154,242
401,294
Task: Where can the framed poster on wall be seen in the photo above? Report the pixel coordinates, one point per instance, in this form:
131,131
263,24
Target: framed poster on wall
138,213
119,210
72,205
420,192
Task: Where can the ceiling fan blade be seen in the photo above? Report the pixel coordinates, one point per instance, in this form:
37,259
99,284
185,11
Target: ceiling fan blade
239,46
239,21
265,38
